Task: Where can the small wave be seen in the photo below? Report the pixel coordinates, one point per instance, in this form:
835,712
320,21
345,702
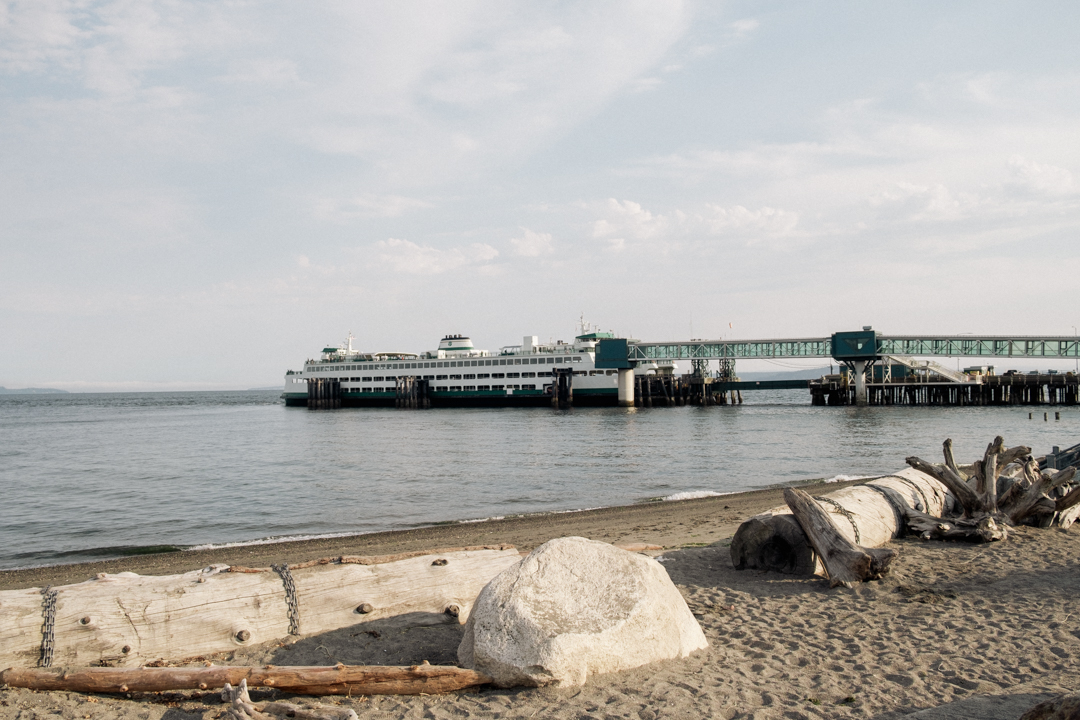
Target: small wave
846,478
275,540
692,495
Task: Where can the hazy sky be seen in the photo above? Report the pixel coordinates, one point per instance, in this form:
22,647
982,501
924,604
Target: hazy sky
203,194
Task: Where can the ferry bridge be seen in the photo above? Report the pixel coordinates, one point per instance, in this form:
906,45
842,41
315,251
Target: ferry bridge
859,350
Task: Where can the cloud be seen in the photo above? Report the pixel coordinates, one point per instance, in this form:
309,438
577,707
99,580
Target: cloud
1039,178
532,244
741,29
627,219
407,257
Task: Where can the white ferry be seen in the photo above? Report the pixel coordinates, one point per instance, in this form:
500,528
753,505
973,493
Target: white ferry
458,374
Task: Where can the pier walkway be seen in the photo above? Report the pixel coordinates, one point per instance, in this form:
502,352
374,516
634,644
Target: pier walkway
872,361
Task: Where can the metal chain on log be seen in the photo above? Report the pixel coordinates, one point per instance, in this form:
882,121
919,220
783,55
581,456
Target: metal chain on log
898,511
290,597
916,488
845,512
48,630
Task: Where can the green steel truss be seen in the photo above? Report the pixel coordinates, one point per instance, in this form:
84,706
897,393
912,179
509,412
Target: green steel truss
987,346
1017,346
734,349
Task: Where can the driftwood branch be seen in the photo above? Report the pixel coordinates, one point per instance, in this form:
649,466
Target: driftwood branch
970,530
242,708
845,562
297,680
963,492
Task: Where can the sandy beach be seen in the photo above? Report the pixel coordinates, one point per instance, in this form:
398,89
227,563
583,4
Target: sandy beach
954,631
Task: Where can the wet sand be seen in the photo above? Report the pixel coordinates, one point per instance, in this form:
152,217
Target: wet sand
954,631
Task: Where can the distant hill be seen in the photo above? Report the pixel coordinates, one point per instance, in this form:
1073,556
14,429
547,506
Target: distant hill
808,374
29,391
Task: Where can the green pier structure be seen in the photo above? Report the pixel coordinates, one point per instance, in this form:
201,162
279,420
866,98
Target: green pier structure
860,351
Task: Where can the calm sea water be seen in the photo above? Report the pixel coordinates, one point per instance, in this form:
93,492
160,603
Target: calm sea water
91,476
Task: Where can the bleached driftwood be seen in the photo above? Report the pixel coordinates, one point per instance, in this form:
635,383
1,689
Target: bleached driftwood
297,680
992,500
869,515
242,708
845,562
127,620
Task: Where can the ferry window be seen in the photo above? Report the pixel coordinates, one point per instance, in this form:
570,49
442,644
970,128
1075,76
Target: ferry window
513,375
483,387
558,360
378,379
577,359
498,387
469,376
502,362
454,387
483,375
429,377
543,373
532,361
440,377
473,363
367,379
593,373
528,387
528,374
455,377
498,375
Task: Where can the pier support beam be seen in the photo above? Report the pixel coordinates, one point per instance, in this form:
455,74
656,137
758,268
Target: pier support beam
626,388
860,382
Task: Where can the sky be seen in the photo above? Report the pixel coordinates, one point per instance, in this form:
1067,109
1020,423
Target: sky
200,195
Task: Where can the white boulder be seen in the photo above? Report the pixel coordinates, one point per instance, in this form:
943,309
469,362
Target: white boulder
574,608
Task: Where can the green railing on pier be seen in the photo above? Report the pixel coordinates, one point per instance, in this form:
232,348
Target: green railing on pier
990,346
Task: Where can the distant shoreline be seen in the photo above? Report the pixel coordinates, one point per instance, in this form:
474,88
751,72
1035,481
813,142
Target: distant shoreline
32,391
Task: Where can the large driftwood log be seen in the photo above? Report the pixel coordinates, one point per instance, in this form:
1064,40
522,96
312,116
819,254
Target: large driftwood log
1024,496
127,620
870,515
299,680
845,562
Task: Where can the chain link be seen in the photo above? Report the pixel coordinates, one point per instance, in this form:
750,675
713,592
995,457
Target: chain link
913,486
843,511
48,634
290,597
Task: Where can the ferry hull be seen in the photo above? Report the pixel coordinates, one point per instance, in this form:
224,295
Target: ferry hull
585,397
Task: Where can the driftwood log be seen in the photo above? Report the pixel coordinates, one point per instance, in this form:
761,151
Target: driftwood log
1005,488
128,620
869,515
299,680
845,562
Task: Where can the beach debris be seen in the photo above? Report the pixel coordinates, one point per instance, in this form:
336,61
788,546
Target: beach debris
943,501
1063,707
869,515
128,620
242,708
575,608
297,680
1005,488
845,562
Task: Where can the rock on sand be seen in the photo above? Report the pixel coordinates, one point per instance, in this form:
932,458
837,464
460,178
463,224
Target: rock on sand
574,608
